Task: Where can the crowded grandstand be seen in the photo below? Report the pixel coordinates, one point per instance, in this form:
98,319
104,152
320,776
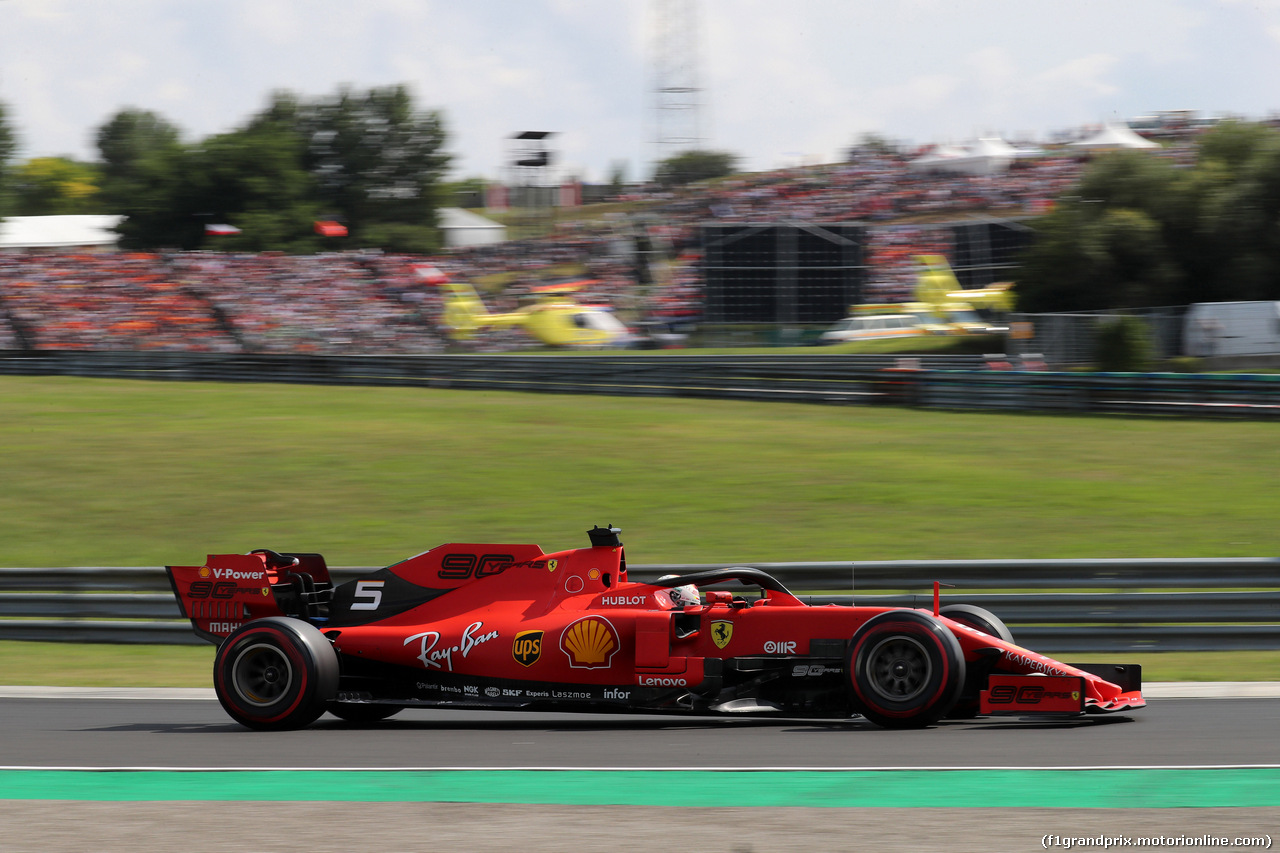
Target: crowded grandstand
375,302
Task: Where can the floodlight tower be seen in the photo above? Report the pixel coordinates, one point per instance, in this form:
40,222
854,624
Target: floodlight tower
677,92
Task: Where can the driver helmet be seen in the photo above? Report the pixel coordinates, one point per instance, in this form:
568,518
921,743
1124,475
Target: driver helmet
686,595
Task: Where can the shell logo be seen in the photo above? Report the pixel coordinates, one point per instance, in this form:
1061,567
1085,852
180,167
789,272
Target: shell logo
204,571
590,643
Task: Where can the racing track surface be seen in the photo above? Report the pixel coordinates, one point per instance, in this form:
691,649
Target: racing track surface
197,733
272,816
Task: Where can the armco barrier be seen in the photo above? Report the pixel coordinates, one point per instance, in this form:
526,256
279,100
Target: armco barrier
941,382
1222,604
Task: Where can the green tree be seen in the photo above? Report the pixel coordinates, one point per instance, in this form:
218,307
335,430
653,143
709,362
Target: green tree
1123,344
47,186
160,211
371,160
691,166
617,177
375,157
1244,219
253,178
1142,231
1233,144
8,145
874,143
127,144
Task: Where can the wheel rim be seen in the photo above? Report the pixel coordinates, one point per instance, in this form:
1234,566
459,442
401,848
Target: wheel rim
900,668
262,675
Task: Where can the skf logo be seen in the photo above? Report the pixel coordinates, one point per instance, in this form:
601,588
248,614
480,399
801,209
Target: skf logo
527,647
721,633
590,643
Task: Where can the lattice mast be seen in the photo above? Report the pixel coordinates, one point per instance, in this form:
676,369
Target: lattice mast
677,91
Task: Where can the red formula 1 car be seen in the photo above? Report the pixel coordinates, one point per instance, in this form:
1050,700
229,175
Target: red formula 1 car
510,627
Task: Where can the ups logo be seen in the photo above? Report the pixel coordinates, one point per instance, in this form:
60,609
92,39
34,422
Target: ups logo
527,647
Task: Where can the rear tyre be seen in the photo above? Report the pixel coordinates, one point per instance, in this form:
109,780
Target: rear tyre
906,669
363,712
275,673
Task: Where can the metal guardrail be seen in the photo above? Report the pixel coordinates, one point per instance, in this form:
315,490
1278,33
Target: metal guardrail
940,382
1222,604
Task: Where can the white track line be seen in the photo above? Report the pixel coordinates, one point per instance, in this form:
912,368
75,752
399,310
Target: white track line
561,769
1152,690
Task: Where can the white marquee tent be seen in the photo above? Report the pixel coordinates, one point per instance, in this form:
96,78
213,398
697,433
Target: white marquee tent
987,156
463,228
1112,138
59,232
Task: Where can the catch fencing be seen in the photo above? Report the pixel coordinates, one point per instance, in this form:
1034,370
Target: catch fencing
1072,339
1076,606
932,382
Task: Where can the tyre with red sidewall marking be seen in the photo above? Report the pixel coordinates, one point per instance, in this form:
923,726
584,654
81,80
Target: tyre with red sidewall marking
906,669
978,618
275,673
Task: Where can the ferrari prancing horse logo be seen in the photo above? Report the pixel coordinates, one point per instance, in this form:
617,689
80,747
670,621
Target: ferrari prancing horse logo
721,633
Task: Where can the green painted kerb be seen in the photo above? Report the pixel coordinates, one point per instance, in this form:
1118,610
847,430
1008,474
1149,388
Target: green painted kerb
1152,788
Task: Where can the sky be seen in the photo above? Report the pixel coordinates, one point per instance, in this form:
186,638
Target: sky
779,83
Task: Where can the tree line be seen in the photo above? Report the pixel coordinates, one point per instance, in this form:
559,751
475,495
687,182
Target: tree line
370,160
1142,231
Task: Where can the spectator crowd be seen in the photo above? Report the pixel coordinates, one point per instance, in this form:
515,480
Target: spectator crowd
370,302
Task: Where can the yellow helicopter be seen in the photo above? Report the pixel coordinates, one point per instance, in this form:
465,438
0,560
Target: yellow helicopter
553,318
943,305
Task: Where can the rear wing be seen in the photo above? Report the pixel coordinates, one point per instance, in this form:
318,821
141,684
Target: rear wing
231,589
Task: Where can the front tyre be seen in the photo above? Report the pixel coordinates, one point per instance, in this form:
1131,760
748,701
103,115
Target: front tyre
275,673
906,669
978,618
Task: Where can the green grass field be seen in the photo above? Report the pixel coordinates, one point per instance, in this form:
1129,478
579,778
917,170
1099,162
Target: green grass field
125,473
118,473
